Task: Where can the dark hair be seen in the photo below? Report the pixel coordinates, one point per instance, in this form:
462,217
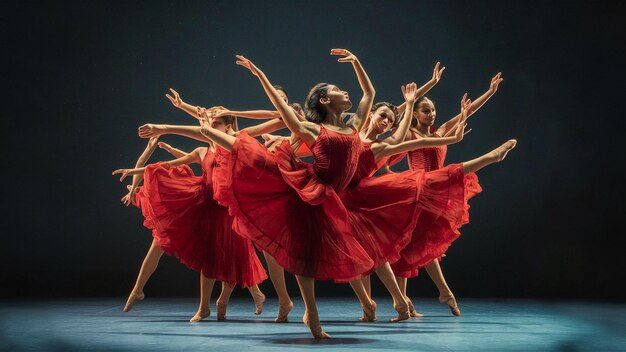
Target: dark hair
297,107
231,120
392,107
277,87
416,105
313,109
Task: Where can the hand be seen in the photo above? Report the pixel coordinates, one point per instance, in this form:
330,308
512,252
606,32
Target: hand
242,61
272,141
150,130
466,103
219,111
495,81
349,57
130,197
437,73
164,146
123,172
175,99
410,92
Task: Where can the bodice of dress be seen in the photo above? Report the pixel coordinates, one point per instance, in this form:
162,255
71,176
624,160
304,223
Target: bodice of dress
336,157
427,159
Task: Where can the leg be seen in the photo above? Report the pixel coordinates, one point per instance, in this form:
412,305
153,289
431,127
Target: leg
277,275
493,156
402,282
311,317
445,294
385,274
206,288
367,283
258,297
222,300
148,267
368,305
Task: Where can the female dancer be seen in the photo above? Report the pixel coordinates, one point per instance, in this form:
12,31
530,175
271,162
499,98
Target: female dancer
276,272
188,223
427,237
296,215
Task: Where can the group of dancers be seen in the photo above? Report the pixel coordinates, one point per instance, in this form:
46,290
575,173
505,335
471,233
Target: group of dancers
326,220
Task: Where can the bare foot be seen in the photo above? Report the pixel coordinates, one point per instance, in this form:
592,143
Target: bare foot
283,312
451,302
259,300
313,322
201,314
221,310
412,310
403,312
500,153
369,313
132,299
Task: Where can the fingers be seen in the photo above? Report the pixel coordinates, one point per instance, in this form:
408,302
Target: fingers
437,66
339,52
170,98
175,93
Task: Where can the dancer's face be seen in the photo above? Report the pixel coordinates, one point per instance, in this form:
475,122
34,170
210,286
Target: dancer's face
425,113
382,119
219,124
337,98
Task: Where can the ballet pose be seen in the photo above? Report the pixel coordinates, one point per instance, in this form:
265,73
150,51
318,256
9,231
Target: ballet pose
276,272
427,237
291,209
186,222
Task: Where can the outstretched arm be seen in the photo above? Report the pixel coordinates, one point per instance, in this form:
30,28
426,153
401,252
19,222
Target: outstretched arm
421,91
177,153
410,96
141,161
382,150
447,128
365,105
262,128
193,157
150,130
288,115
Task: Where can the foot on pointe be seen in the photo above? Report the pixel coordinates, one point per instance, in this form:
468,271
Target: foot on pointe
315,326
451,302
283,312
500,153
200,315
132,299
259,300
221,310
412,310
369,313
403,312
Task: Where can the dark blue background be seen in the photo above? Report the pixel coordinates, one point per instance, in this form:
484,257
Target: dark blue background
79,78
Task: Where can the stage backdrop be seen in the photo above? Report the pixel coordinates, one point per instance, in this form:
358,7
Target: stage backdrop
79,78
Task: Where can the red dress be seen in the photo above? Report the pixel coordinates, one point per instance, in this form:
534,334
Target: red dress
434,233
187,222
291,209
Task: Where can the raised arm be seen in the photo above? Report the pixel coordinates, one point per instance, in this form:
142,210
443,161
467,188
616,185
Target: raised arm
410,96
382,150
421,91
447,128
288,115
179,103
365,105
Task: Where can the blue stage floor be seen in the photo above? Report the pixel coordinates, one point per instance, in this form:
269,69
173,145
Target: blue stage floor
162,325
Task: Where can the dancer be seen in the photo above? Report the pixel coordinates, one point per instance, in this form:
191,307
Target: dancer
276,272
188,223
429,159
291,209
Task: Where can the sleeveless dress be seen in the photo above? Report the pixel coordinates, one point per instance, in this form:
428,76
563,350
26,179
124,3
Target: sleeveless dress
435,233
188,223
291,209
